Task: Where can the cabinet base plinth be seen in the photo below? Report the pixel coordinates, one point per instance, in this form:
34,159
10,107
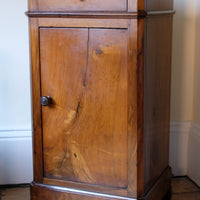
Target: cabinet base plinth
47,192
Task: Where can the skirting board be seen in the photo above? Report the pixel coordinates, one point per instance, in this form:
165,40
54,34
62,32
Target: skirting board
179,137
193,170
16,157
184,150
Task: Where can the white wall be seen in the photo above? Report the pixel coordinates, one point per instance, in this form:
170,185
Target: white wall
194,140
185,106
182,84
196,102
183,61
15,109
184,149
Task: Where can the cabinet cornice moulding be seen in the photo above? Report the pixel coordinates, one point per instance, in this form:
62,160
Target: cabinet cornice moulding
123,15
84,14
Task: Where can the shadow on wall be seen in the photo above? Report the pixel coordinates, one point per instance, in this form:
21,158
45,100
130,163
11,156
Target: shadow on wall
182,64
194,139
181,85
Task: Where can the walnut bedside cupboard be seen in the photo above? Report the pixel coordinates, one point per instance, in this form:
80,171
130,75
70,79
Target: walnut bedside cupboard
101,98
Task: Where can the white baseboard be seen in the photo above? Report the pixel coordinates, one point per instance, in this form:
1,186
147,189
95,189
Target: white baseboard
184,149
193,170
179,136
16,157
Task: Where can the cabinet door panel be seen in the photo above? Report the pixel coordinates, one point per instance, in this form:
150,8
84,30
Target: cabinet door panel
85,129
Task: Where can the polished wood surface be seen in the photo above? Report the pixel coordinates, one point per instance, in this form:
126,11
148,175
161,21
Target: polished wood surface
140,108
114,29
88,14
106,133
160,186
86,187
87,5
105,5
84,23
157,72
81,142
156,5
36,107
132,110
158,191
45,192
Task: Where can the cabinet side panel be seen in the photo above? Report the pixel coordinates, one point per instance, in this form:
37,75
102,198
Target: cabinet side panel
157,73
159,5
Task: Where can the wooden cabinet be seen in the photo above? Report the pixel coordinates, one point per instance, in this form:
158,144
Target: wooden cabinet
101,90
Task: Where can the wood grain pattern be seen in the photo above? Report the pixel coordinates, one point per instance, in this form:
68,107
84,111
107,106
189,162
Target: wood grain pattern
140,107
33,5
81,5
35,72
132,110
45,192
88,14
86,187
84,23
105,5
132,6
161,186
82,130
157,96
59,51
141,5
107,131
157,5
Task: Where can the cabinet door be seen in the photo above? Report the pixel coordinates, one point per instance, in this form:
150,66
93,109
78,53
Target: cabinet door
85,128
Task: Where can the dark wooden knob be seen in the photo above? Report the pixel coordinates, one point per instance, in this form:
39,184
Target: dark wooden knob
46,101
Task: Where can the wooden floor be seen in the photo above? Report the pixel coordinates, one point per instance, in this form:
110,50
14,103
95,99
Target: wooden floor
182,189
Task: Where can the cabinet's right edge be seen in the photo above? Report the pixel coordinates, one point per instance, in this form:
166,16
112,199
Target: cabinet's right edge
157,79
